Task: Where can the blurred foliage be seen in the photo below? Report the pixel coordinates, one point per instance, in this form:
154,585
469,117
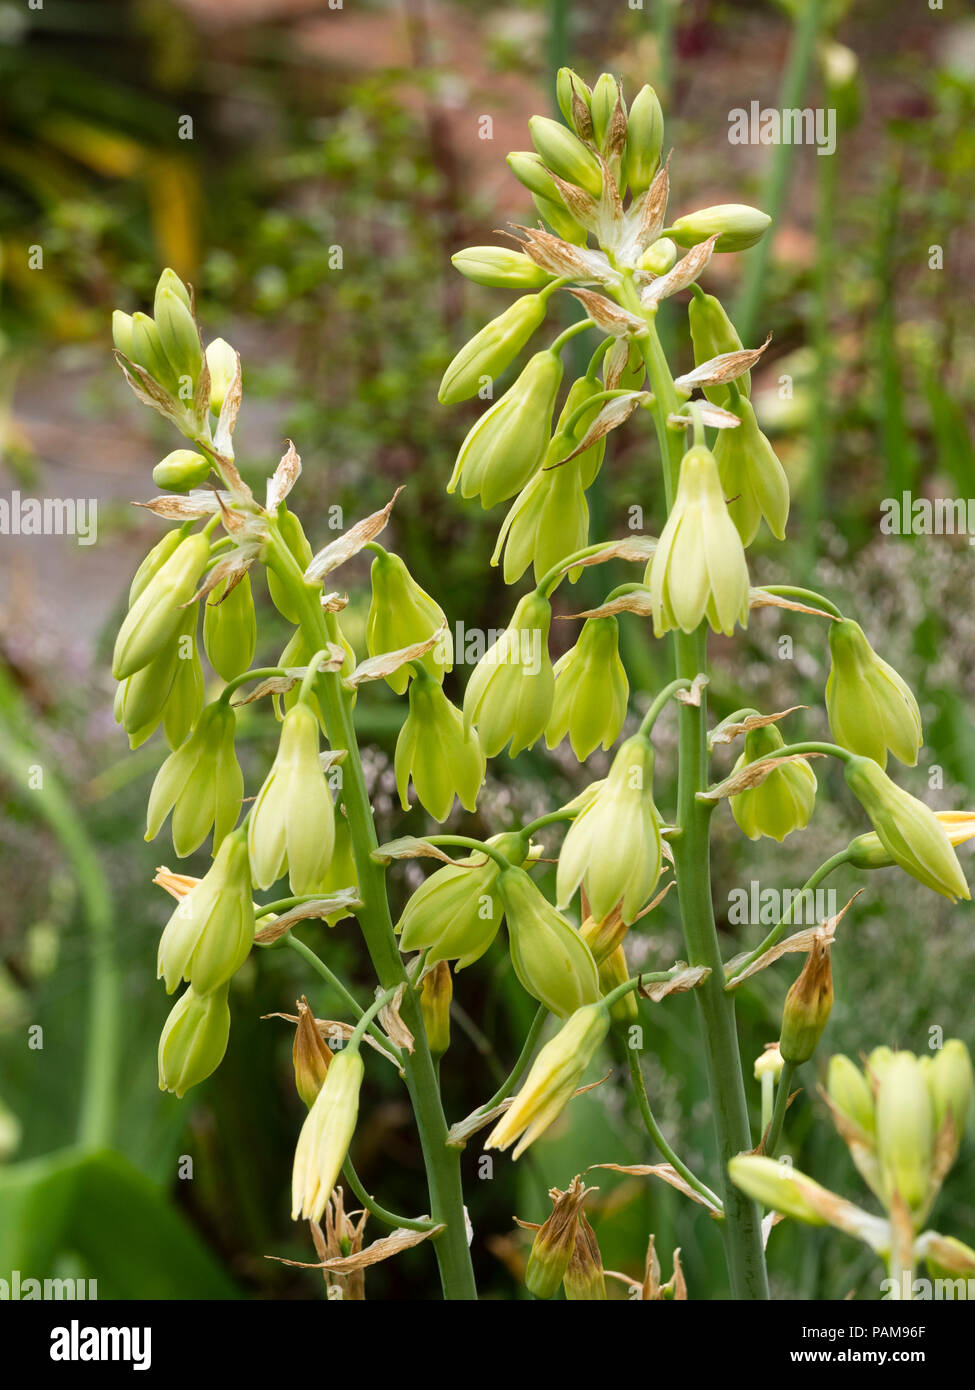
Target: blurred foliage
315,210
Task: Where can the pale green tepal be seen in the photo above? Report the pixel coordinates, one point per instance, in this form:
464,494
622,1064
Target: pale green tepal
499,268
905,1131
160,692
713,334
871,708
509,696
613,847
699,569
591,690
230,627
159,610
548,520
455,914
439,750
222,364
752,478
644,140
566,155
325,1136
507,444
908,830
784,801
550,958
402,614
209,935
201,783
194,1039
179,336
493,349
552,1081
292,822
850,1092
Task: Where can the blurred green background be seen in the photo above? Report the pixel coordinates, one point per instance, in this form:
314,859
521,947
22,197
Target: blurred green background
361,129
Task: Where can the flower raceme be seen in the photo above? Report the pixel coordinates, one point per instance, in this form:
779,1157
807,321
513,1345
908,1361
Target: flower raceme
699,570
871,709
552,1081
456,913
550,958
613,846
402,614
508,443
201,783
509,695
784,801
439,750
209,935
292,822
908,830
591,690
325,1136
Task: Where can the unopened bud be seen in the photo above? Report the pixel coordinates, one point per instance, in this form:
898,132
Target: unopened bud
849,1090
178,334
905,1130
736,226
871,707
562,223
194,1039
659,257
554,1241
491,350
951,1083
222,365
584,1280
436,992
122,332
566,155
550,958
712,334
181,470
574,98
230,627
807,1006
532,174
644,142
499,268
769,1063
158,612
311,1055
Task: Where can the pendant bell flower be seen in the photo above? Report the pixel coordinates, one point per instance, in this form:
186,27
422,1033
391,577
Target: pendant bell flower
871,708
402,614
439,750
201,783
784,801
292,822
209,935
510,693
194,1039
591,690
550,958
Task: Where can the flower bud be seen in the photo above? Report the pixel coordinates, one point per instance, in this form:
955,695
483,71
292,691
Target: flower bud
142,699
951,1083
310,1054
147,351
659,257
178,334
548,520
574,98
867,852
194,1039
552,1080
552,1247
736,225
877,1063
508,442
297,542
210,933
222,365
712,334
154,562
905,1131
769,1063
325,1137
201,783
402,614
550,958
602,108
849,1090
947,1258
158,612
292,822
509,695
456,913
436,992
909,831
644,140
122,333
170,281
591,690
439,750
186,696
562,223
584,1281
871,709
807,1006
230,627
752,478
564,441
699,569
784,801
779,1186
180,471
500,269
613,847
566,155
531,173
492,349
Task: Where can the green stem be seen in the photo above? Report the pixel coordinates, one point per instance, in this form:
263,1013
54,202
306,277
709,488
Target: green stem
785,921
650,718
567,334
656,1134
744,1248
804,596
524,1057
467,842
442,1163
320,968
259,673
781,1105
388,1218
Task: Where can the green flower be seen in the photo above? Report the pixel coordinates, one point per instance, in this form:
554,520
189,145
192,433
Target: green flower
194,1039
201,783
784,801
871,709
292,822
402,614
209,935
439,750
549,956
510,694
591,690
